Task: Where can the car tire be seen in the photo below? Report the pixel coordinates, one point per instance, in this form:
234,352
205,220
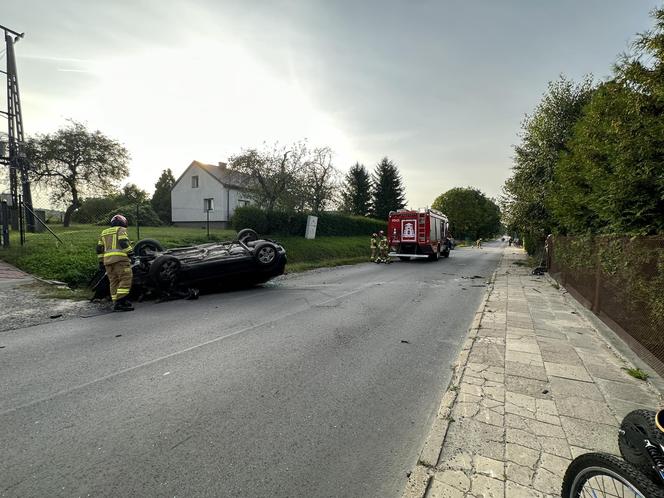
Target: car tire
247,235
164,270
265,254
144,245
404,258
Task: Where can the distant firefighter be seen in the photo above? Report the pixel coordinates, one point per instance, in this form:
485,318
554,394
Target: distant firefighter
374,245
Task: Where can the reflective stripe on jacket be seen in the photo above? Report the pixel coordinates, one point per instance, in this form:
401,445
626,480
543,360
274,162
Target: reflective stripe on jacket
113,245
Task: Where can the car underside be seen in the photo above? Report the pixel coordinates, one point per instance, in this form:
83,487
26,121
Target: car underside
184,271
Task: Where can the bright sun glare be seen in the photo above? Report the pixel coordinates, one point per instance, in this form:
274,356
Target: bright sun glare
205,101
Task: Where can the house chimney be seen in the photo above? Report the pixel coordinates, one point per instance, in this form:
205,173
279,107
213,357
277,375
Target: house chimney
222,166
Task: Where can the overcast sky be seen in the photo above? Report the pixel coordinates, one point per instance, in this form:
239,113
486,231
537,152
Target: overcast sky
440,87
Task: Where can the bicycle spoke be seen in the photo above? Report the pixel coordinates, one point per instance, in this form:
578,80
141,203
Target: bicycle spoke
602,486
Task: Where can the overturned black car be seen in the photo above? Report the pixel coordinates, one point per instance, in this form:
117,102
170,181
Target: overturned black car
183,271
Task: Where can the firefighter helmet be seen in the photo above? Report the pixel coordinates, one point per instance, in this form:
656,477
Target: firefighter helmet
381,232
374,234
119,221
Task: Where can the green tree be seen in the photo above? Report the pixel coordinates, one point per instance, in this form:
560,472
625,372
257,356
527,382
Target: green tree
161,199
132,194
319,180
356,191
610,180
273,174
544,136
388,190
74,163
471,213
92,208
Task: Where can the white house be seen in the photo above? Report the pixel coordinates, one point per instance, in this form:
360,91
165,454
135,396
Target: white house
204,187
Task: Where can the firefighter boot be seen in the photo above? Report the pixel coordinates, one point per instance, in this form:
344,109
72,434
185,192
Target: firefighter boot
123,305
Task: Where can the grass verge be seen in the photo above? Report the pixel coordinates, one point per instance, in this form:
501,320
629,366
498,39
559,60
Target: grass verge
74,261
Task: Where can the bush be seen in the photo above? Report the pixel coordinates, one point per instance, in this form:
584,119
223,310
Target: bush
533,244
340,224
291,223
249,217
146,215
91,209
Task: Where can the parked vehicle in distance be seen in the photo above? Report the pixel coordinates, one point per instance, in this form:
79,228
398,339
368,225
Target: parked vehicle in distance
418,234
246,260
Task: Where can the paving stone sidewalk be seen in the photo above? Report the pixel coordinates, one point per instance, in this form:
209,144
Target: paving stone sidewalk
535,386
23,302
9,272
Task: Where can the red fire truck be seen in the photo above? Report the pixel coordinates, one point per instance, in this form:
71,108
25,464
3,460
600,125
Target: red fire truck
418,234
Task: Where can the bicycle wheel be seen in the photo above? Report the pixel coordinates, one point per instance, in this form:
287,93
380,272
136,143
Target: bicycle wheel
637,426
599,475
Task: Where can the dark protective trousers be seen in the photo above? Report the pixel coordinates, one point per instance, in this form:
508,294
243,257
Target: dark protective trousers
119,277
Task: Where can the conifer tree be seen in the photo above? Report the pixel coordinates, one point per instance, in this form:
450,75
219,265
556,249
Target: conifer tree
356,191
161,199
388,191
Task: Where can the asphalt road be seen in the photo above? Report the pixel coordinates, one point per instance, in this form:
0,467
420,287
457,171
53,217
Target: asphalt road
304,387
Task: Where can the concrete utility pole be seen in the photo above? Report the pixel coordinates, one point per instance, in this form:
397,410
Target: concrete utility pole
16,159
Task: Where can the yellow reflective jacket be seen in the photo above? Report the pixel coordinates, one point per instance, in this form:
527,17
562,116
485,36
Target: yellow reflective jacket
113,245
382,243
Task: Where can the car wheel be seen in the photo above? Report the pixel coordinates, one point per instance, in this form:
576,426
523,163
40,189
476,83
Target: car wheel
247,235
164,270
265,253
146,246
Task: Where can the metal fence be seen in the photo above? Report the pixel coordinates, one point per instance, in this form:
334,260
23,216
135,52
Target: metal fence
621,279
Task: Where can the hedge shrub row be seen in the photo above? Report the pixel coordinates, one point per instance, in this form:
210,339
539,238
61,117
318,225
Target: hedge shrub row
100,210
146,215
290,223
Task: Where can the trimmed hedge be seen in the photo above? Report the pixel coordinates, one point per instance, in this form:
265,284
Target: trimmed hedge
291,223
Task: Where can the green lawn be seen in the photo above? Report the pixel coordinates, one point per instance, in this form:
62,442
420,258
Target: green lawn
74,260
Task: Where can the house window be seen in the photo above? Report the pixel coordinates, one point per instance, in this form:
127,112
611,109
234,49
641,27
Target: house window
208,204
194,181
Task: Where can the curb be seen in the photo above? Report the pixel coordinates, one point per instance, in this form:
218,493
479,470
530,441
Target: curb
419,479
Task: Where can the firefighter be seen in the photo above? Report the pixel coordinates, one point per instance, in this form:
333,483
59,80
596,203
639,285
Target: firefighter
382,248
373,245
114,250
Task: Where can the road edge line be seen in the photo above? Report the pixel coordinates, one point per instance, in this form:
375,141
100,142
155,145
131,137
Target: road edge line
419,480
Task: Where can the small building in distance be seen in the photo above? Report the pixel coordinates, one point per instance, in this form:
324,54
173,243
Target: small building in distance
204,187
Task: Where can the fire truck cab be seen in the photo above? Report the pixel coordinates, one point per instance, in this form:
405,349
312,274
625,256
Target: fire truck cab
418,234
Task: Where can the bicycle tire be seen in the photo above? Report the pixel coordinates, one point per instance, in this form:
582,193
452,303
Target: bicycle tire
638,425
603,470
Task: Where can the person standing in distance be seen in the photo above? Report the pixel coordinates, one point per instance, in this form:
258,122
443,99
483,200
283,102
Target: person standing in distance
374,246
382,248
114,251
